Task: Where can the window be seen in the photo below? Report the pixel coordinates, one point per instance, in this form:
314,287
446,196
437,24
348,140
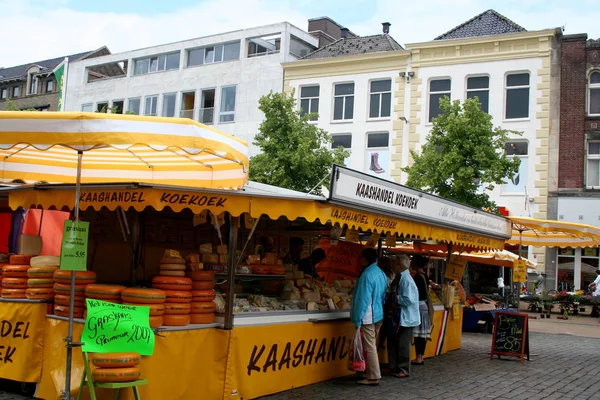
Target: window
438,88
517,96
266,45
133,105
377,157
168,106
343,102
227,112
479,86
150,105
49,86
309,101
102,107
594,94
214,54
380,99
164,62
87,107
345,141
117,107
207,106
3,94
15,91
299,48
518,183
32,84
593,165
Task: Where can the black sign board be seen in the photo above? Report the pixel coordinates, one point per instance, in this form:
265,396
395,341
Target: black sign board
511,335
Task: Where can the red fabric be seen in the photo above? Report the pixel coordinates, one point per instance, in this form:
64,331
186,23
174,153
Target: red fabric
5,223
52,229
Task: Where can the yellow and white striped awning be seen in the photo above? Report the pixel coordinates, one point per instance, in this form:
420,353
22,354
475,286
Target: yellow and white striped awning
547,233
43,146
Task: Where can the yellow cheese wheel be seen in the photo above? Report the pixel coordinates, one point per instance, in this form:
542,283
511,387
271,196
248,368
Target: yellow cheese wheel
40,282
13,293
178,296
200,275
202,318
202,285
176,320
115,360
20,259
14,283
15,271
41,272
203,307
63,300
104,292
39,293
63,311
173,267
203,295
156,310
45,261
171,273
156,321
172,260
143,296
171,283
177,308
128,374
66,289
81,277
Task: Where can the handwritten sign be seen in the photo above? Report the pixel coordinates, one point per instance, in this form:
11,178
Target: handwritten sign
390,240
510,335
455,268
114,328
352,235
342,260
73,253
373,240
520,271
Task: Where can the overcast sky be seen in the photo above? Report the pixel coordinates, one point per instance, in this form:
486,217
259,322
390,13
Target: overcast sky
40,29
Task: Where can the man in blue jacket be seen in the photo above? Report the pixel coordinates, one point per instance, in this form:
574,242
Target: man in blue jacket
367,311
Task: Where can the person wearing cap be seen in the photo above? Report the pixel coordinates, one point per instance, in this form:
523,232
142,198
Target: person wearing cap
295,253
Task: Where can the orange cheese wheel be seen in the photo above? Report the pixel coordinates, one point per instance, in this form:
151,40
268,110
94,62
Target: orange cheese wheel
20,259
104,292
66,289
156,310
81,277
277,270
172,260
171,273
260,269
172,267
178,296
203,295
156,321
177,308
200,275
176,320
143,296
202,318
39,293
171,283
202,285
15,271
115,360
14,283
41,272
127,374
13,293
63,300
203,307
40,282
63,311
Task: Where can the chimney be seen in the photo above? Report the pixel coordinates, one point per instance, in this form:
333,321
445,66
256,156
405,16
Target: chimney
344,32
386,27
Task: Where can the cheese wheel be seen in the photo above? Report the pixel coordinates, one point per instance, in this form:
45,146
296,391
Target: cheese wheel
156,310
127,374
171,283
203,295
41,272
20,259
200,275
66,289
40,282
202,285
15,271
39,293
277,270
173,267
202,318
171,273
203,307
176,320
115,360
143,296
14,283
13,293
104,292
260,269
81,277
177,308
63,300
63,311
172,260
178,296
156,321
45,261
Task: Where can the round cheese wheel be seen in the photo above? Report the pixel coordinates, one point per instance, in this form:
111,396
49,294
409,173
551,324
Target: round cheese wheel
39,293
156,310
202,318
14,283
172,267
81,277
45,261
202,285
178,296
41,272
66,289
63,311
171,273
203,295
13,293
260,269
104,292
128,374
176,320
200,275
20,259
143,296
277,270
203,307
172,260
115,360
15,271
156,321
40,282
171,283
177,308
63,300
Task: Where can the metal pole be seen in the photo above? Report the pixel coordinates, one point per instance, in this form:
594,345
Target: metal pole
231,263
519,284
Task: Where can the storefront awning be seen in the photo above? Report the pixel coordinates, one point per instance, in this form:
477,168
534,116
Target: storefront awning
547,233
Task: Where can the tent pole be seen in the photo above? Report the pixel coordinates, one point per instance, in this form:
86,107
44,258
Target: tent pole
231,266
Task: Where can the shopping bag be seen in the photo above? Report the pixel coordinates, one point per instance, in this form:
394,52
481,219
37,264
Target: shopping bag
356,356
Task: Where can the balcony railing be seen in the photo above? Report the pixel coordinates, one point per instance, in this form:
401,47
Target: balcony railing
206,115
187,114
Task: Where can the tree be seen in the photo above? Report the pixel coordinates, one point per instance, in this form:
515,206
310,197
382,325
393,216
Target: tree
295,153
464,154
11,106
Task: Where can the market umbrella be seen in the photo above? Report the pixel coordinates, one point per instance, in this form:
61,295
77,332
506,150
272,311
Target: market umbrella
547,233
50,147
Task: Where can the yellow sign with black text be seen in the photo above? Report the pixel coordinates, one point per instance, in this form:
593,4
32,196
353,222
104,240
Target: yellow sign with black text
455,268
520,271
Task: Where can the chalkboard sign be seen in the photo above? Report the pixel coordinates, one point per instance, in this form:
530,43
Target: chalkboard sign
511,335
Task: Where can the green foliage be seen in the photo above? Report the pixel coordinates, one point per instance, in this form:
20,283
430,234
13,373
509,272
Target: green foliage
463,151
295,153
11,106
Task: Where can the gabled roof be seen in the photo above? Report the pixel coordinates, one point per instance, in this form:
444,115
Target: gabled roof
356,45
487,23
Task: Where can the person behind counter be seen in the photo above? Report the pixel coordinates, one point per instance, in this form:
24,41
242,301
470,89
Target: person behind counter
422,333
308,265
367,311
295,253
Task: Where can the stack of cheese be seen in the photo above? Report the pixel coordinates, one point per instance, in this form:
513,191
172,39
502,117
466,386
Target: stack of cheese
40,285
62,291
153,298
14,277
109,293
193,262
203,307
116,367
177,288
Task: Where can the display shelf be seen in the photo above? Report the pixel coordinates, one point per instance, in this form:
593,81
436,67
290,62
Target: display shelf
253,276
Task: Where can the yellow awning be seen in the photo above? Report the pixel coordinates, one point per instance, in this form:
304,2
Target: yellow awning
547,233
551,240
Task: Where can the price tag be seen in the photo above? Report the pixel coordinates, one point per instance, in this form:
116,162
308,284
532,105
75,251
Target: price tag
455,268
455,311
352,235
520,271
390,240
73,253
373,240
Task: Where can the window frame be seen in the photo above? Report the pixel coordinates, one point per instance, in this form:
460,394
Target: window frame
227,113
344,96
91,105
520,156
3,93
174,96
310,100
506,89
156,57
50,82
155,97
592,157
214,47
17,89
380,94
488,90
591,86
139,99
429,92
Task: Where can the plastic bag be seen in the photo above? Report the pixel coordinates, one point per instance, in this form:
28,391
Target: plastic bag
356,356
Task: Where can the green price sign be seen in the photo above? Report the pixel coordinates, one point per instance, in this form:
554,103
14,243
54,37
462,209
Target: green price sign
116,328
73,254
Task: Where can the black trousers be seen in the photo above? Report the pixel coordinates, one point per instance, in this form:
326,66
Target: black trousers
399,347
420,344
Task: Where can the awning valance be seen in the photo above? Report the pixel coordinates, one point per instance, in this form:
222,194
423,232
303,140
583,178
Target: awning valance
548,233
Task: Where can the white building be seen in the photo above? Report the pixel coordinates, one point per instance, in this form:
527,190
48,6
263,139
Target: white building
217,80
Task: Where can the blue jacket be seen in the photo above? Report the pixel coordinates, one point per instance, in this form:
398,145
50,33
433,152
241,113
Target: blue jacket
370,290
408,300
